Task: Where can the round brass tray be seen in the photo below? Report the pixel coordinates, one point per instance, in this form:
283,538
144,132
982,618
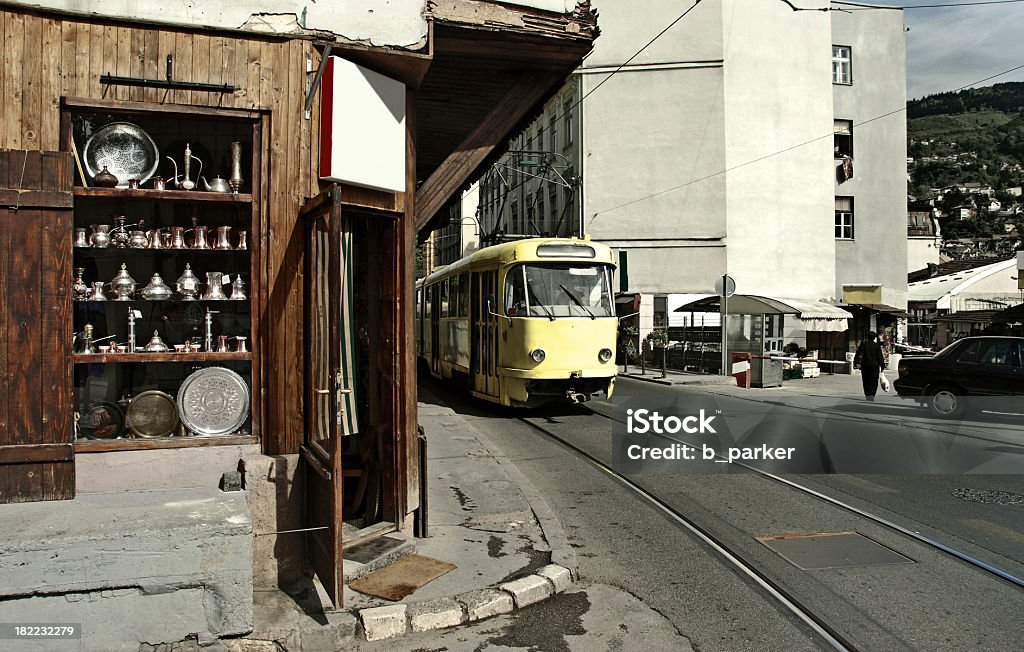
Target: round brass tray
213,401
125,149
152,414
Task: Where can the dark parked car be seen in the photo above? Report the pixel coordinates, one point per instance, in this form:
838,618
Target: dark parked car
972,373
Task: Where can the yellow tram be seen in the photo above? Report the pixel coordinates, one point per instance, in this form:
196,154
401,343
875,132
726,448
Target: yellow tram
522,322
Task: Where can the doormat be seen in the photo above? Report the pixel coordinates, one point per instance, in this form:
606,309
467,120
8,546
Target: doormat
401,578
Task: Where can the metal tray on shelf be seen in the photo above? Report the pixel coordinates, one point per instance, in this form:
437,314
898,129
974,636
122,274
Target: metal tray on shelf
152,414
213,401
101,420
125,149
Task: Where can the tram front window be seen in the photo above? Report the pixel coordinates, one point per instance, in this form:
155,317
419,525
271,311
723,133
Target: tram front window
559,290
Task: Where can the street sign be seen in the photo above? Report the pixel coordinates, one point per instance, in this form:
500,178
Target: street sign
725,286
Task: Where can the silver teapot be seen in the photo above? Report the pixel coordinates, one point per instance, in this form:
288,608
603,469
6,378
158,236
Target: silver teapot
123,285
188,284
157,290
216,184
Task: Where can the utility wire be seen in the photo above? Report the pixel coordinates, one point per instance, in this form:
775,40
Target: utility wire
783,151
859,7
569,110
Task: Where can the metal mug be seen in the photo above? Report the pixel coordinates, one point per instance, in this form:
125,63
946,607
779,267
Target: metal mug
200,242
159,183
223,240
177,237
80,238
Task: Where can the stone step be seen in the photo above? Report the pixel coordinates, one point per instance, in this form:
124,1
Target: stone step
364,558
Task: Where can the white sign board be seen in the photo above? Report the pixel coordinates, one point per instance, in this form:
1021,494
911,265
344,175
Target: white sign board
362,127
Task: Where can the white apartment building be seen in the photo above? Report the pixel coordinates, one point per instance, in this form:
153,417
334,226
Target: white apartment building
749,139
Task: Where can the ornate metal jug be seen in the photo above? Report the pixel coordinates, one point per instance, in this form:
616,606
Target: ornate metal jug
214,291
138,240
123,285
242,241
177,237
200,238
182,181
97,292
100,237
223,238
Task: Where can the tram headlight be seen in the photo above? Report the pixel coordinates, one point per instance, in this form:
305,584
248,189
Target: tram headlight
604,355
538,355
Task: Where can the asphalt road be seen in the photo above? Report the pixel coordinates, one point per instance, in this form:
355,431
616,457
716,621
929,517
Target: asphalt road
928,601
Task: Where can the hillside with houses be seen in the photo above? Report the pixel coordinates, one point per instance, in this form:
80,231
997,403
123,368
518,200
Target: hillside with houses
965,156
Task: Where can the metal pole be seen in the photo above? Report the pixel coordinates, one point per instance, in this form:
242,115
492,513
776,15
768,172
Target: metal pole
643,360
724,320
664,358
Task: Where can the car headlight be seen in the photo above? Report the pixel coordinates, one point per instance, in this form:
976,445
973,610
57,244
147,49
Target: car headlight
604,355
538,355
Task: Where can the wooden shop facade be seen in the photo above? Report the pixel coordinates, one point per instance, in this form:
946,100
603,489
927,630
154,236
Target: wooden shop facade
249,283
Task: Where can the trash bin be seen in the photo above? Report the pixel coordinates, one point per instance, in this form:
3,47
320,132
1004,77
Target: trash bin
894,361
741,369
849,362
765,372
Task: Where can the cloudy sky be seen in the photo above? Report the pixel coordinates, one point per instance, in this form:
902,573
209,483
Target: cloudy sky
951,47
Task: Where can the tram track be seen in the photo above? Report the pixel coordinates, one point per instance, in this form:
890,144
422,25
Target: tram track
828,633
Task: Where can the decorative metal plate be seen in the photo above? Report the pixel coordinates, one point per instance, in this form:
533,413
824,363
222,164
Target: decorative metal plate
125,150
102,421
152,414
213,401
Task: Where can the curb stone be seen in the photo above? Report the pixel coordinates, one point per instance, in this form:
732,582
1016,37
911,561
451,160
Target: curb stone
392,621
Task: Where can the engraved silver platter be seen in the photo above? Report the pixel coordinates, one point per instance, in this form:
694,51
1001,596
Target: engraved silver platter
152,414
125,150
213,401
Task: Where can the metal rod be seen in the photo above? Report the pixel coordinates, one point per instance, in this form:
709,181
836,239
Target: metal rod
305,529
316,80
166,83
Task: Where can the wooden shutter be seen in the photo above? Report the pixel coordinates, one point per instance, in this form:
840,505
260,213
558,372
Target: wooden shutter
36,432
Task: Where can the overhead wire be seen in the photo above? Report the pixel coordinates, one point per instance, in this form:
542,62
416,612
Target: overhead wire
787,149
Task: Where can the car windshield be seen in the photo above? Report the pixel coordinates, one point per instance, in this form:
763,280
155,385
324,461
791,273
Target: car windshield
559,290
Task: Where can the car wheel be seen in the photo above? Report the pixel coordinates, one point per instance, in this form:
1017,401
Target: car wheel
947,402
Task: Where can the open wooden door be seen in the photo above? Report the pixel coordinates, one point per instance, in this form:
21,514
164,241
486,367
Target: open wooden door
321,450
36,426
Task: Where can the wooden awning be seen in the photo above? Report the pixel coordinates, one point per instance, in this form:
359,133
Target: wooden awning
493,67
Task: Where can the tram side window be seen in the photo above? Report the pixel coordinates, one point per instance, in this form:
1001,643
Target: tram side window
444,298
464,295
515,293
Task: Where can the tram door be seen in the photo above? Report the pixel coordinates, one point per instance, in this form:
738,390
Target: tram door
484,340
435,328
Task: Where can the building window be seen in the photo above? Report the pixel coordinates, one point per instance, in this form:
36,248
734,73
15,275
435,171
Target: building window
842,72
843,135
514,222
553,126
568,111
844,218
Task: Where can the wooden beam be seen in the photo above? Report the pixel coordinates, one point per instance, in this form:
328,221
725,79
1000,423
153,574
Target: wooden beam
522,96
34,453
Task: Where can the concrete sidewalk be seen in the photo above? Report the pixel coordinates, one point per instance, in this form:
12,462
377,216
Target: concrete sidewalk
484,516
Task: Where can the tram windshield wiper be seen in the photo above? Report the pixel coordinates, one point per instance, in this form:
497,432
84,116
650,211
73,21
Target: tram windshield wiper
577,301
535,301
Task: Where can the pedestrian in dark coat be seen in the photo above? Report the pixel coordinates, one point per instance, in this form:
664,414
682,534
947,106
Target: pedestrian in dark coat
870,360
